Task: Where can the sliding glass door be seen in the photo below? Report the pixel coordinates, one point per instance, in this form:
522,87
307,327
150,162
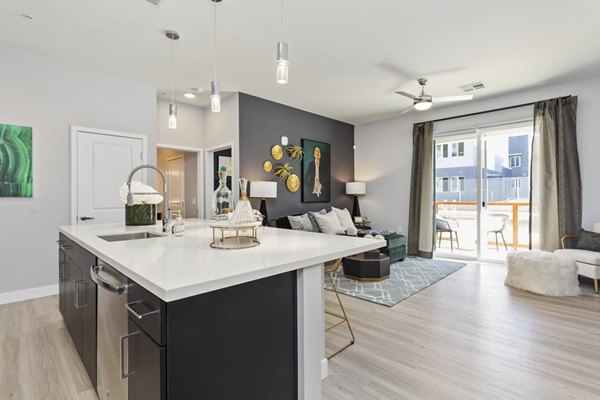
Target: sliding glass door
482,191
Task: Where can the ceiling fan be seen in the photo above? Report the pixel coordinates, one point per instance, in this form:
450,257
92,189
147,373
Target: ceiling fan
424,101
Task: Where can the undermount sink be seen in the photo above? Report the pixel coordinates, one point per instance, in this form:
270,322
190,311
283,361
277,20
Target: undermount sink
129,236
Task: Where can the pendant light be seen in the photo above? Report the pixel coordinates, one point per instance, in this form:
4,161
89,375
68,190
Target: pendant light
215,86
282,56
173,36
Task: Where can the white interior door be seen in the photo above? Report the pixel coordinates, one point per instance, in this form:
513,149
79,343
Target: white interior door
103,163
176,184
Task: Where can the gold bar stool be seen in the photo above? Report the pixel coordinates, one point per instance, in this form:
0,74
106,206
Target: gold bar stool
330,267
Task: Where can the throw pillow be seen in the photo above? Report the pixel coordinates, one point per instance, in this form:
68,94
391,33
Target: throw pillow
345,218
300,223
352,231
329,223
588,241
313,220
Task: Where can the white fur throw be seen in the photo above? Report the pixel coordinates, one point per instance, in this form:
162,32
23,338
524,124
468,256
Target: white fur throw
543,273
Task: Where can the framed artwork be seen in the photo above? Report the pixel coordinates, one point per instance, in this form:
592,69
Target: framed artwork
16,155
316,172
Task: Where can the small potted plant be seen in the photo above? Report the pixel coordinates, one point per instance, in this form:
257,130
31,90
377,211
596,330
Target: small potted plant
143,210
295,152
283,171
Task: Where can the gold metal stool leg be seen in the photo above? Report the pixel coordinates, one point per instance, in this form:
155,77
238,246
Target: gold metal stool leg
343,318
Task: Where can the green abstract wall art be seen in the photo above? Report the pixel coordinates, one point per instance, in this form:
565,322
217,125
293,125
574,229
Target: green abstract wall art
15,161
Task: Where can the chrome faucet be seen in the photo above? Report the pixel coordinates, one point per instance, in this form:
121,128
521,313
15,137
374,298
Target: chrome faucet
167,214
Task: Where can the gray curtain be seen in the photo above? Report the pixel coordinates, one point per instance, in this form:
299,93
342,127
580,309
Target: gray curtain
555,195
421,217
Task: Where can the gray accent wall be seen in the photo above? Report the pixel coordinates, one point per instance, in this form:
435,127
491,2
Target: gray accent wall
263,122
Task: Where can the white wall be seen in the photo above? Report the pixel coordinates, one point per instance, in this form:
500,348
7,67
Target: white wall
384,148
219,128
223,126
50,96
190,125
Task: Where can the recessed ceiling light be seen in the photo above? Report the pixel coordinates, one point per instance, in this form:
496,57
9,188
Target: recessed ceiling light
189,95
28,17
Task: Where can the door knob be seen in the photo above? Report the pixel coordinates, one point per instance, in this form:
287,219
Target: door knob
85,218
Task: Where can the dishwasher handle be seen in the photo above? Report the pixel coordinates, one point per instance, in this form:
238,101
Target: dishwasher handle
118,288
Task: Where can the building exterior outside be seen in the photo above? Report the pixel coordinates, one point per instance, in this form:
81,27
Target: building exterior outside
507,170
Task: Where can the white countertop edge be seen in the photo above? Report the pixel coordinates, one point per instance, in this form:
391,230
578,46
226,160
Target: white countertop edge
205,287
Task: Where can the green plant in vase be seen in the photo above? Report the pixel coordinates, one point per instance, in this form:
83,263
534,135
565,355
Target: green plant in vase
283,171
295,152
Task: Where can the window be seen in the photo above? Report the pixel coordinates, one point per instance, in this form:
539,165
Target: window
456,149
457,183
514,160
441,184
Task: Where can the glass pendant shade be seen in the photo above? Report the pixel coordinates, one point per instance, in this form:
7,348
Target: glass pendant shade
222,198
172,122
172,116
282,63
215,96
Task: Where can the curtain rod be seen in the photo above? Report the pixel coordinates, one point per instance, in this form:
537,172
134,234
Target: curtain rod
492,110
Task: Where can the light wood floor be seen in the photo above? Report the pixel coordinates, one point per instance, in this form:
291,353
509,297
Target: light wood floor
38,360
469,337
466,337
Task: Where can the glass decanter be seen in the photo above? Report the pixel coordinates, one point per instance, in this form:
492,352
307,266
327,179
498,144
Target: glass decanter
223,203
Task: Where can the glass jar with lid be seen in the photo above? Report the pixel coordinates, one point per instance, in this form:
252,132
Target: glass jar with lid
223,202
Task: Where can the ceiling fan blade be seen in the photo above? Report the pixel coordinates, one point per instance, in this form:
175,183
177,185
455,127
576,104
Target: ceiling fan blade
407,109
452,98
410,96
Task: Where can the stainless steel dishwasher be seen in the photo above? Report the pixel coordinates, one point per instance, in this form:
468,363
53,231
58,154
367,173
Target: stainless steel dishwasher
112,332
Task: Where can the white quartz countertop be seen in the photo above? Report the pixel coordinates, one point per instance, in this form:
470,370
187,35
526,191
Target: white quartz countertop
174,268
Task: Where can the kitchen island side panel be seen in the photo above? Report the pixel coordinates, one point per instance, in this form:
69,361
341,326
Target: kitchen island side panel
236,343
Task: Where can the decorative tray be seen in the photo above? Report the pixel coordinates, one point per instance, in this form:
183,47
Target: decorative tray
229,236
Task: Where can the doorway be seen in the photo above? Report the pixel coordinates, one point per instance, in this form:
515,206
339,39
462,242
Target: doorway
218,157
482,191
183,169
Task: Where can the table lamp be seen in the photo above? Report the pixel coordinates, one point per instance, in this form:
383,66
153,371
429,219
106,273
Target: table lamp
263,190
356,188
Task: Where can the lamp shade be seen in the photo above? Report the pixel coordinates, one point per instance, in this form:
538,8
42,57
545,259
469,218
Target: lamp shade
263,189
356,188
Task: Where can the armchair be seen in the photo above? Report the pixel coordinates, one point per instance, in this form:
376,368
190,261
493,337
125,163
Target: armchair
588,262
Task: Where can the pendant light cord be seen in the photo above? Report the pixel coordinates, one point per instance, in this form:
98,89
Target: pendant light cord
215,43
172,70
282,20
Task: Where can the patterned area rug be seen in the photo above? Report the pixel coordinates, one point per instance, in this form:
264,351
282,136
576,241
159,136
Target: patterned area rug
406,278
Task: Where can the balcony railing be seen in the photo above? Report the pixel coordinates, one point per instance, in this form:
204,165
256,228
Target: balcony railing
518,213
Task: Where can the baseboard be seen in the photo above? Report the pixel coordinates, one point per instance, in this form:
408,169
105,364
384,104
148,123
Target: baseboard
324,368
28,294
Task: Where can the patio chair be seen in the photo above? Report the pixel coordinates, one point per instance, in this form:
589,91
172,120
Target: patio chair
447,225
496,224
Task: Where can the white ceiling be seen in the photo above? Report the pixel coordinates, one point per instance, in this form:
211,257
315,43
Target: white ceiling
347,57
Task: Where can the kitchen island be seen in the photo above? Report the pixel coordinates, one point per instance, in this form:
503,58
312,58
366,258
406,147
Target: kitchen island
225,323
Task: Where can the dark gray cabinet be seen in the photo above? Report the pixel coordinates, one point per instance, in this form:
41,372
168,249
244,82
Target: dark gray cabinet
147,366
77,300
230,344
